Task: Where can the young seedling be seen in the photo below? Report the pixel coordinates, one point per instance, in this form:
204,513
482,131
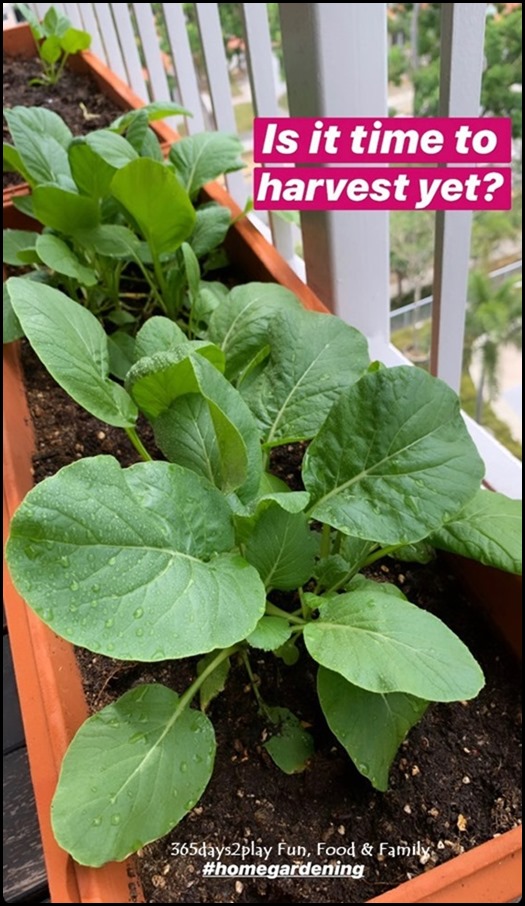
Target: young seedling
56,40
185,557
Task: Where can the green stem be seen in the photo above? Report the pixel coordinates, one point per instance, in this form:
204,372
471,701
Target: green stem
151,284
61,68
325,541
382,552
274,611
337,585
304,608
157,268
139,446
192,690
253,682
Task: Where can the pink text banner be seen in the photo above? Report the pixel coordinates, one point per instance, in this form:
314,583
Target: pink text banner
382,188
368,140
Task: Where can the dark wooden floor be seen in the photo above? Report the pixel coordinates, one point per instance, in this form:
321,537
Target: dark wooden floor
24,872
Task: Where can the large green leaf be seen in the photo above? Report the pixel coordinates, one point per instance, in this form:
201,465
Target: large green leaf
72,345
63,210
382,643
41,138
199,419
157,110
92,175
54,252
137,132
110,240
38,120
240,323
16,243
150,146
156,200
205,156
248,515
313,358
131,563
488,529
158,334
371,726
199,435
121,351
113,149
282,548
130,774
270,633
393,460
212,223
12,162
11,327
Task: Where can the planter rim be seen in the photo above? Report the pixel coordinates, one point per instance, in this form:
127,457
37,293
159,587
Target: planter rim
45,666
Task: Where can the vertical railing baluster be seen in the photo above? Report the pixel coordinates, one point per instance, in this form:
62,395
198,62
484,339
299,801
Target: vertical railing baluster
111,42
183,64
336,65
72,12
41,9
91,25
151,46
126,35
218,80
462,31
264,96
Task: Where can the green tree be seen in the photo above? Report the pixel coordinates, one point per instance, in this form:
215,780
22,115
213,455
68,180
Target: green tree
411,256
501,88
411,234
501,84
493,321
489,230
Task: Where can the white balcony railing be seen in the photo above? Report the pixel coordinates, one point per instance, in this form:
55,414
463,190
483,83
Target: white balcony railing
336,64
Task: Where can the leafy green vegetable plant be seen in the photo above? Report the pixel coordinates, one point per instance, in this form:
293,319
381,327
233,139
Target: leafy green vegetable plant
191,556
123,232
56,40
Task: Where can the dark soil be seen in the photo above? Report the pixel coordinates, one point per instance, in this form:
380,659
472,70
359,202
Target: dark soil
76,98
455,783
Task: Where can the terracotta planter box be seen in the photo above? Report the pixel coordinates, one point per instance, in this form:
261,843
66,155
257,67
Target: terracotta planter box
48,678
